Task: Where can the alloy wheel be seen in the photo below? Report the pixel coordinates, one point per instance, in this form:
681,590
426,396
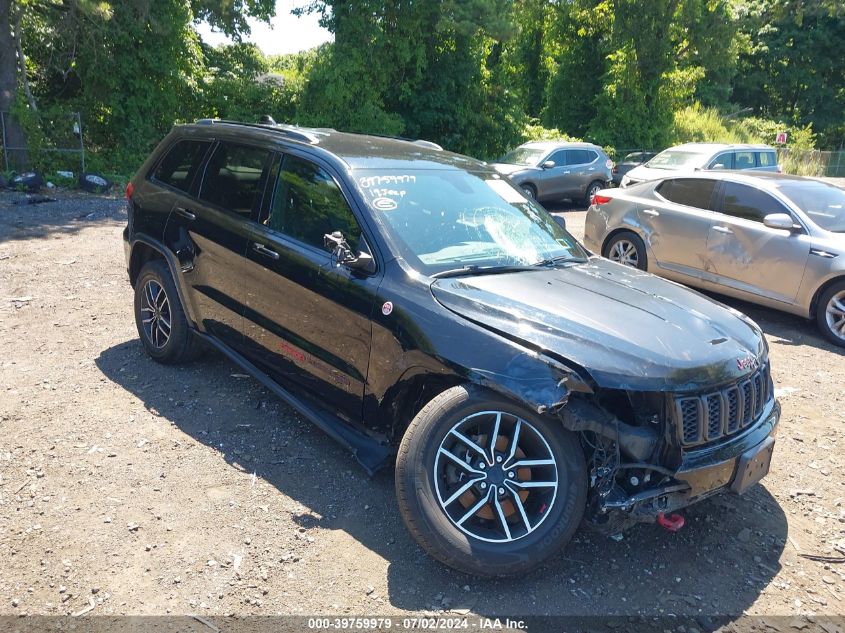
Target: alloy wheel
155,314
835,314
495,476
624,252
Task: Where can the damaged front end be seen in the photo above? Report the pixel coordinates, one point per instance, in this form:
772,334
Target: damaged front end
652,453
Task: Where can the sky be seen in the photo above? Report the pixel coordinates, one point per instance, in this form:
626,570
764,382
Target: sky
287,33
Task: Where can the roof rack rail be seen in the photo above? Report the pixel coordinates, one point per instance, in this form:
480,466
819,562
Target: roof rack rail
290,131
416,141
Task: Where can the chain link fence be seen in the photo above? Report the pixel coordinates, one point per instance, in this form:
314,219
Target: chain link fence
60,135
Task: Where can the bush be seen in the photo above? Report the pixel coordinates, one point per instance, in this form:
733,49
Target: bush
534,131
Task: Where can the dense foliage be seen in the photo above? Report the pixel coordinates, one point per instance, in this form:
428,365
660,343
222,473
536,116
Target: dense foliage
477,76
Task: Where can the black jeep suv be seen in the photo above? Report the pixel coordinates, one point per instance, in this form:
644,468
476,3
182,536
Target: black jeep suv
418,308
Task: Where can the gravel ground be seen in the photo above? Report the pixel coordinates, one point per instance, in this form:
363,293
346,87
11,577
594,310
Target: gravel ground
143,489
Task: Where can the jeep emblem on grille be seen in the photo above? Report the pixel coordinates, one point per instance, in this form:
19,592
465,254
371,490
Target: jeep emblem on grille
747,362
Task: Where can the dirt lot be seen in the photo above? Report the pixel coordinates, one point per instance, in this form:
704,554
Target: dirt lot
151,489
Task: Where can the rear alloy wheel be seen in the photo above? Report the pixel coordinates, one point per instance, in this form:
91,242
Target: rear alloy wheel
830,314
487,488
592,190
628,249
160,319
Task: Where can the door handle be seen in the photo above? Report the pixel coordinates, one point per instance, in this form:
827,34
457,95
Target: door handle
566,172
185,213
263,250
651,212
722,229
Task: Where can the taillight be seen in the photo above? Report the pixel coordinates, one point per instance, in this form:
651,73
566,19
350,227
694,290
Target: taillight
130,189
609,164
599,199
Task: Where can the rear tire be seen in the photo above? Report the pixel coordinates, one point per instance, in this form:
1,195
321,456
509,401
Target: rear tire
160,318
830,314
437,494
627,248
592,190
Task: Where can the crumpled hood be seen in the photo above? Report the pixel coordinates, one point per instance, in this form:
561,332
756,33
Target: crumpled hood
507,169
629,329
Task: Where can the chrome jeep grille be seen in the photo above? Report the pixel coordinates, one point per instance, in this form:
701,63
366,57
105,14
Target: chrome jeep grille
718,414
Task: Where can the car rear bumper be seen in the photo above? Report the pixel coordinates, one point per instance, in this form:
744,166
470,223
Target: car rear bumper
733,466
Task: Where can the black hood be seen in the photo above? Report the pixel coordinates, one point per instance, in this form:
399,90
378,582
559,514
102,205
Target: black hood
627,328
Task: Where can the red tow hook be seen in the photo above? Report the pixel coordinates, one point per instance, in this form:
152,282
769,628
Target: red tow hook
672,523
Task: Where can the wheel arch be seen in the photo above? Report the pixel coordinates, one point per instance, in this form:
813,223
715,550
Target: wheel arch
415,388
141,253
552,382
814,304
145,249
618,231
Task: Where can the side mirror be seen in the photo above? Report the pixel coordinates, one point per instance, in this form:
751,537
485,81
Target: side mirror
336,244
548,164
718,166
561,221
782,221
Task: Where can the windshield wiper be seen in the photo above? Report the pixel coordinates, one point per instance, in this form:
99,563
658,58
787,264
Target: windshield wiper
561,259
481,270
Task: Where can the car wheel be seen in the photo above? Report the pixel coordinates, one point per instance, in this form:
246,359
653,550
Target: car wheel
529,190
627,248
486,487
592,190
830,314
160,319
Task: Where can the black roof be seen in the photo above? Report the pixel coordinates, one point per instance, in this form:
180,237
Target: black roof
357,151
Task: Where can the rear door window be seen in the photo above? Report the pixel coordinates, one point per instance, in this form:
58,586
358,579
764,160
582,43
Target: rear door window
179,166
234,178
749,203
581,156
690,192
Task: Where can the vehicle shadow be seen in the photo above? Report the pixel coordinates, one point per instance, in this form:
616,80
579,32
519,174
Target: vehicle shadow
68,215
717,565
788,329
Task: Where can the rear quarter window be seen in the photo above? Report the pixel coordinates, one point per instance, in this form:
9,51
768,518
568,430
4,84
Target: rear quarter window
180,164
767,159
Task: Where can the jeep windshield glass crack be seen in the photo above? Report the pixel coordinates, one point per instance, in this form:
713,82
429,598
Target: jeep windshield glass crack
448,222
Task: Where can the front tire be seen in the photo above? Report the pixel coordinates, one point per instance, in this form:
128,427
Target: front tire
486,487
160,318
830,314
529,190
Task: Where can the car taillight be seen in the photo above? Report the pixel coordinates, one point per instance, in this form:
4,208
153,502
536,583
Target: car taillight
130,189
609,164
598,199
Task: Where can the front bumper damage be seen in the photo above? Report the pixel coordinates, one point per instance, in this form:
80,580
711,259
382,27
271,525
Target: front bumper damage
730,466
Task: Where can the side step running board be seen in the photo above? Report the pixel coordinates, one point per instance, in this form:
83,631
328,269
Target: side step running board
371,454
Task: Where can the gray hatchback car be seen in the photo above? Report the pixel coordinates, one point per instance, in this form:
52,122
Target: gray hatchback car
767,238
553,170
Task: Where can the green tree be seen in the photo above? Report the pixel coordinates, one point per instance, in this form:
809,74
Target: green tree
792,67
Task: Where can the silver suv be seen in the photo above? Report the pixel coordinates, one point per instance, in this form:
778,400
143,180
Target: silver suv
698,156
552,170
